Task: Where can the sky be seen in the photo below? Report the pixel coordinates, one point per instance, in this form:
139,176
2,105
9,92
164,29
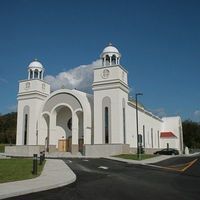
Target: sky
159,41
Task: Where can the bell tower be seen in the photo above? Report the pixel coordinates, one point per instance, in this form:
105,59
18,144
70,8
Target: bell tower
31,96
110,88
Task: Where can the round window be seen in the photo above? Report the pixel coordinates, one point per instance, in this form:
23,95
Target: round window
69,124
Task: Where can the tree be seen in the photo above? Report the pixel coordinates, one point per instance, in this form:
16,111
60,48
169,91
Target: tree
8,123
191,134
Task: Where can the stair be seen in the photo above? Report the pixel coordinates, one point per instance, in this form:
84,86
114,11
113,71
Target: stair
58,154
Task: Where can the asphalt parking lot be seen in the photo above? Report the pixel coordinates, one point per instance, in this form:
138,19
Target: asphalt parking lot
107,179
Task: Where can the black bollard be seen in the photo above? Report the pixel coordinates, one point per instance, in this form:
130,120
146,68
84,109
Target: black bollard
43,155
34,164
41,158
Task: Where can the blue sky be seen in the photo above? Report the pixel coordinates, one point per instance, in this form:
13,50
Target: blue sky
159,41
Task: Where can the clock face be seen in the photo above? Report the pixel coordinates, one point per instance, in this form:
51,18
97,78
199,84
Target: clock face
105,73
27,85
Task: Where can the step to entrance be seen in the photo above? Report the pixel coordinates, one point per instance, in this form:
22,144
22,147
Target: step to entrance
62,155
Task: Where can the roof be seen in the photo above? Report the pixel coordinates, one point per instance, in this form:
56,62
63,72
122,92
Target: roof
167,135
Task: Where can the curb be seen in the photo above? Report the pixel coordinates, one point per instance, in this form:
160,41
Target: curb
140,162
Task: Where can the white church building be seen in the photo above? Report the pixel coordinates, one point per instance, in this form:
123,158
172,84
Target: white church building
99,124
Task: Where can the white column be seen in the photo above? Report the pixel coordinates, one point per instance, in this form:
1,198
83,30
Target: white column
29,75
74,128
33,74
42,75
110,60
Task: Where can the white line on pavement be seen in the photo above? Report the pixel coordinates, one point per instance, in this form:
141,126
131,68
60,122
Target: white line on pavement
103,167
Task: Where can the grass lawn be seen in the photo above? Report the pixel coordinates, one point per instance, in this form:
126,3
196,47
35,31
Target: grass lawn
134,156
16,169
2,148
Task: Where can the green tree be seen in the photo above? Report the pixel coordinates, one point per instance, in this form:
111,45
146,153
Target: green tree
191,134
8,123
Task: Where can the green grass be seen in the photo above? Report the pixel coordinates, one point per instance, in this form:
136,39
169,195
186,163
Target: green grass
134,156
2,148
16,169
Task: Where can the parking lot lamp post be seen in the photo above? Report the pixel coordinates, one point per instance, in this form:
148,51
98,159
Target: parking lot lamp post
138,145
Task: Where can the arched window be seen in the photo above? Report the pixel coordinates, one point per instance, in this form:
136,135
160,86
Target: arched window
40,75
107,60
113,60
36,73
143,135
152,137
69,124
106,120
158,132
25,128
124,119
106,126
31,74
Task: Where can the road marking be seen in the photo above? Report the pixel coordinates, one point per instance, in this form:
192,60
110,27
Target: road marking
86,160
189,165
69,161
179,167
103,167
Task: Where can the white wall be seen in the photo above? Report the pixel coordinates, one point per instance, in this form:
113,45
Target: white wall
152,128
174,125
116,117
32,94
167,124
34,105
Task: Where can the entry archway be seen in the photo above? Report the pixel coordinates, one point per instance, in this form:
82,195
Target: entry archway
63,127
70,118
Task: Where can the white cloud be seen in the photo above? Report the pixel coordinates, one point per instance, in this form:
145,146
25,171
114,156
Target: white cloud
197,113
80,77
159,112
12,108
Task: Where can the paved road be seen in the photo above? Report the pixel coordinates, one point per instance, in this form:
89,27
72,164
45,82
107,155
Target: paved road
189,166
106,179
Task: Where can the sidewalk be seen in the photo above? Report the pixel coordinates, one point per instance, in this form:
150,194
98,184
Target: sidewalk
55,174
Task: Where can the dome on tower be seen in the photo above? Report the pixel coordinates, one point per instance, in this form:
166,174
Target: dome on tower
36,64
35,70
110,49
110,56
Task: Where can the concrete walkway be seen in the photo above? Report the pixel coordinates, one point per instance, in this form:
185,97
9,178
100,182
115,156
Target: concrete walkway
55,174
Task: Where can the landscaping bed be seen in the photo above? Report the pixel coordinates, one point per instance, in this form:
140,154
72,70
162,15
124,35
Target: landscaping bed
134,156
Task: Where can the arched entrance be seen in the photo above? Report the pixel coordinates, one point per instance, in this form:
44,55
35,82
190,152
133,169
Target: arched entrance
63,128
67,129
70,120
